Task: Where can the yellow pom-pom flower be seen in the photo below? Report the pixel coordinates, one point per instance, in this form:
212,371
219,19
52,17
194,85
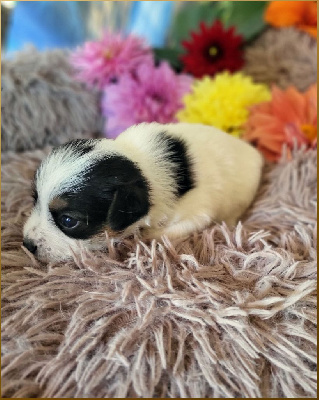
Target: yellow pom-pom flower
222,101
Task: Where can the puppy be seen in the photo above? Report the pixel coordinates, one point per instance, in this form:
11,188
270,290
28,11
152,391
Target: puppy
153,179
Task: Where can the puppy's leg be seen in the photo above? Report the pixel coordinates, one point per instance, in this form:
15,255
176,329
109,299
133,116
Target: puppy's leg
186,227
181,228
194,213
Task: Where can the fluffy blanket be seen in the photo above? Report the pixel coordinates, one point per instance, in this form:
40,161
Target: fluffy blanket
42,104
226,313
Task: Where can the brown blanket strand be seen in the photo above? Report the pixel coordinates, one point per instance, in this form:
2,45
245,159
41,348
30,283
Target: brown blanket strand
226,313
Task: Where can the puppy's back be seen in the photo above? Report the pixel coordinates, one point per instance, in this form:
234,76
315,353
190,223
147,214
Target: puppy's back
226,170
211,151
232,157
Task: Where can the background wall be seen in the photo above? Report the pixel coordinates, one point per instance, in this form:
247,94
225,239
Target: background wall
48,24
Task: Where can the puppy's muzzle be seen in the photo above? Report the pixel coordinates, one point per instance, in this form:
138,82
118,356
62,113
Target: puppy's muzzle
29,244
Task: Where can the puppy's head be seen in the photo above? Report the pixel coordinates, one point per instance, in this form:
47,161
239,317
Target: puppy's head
80,192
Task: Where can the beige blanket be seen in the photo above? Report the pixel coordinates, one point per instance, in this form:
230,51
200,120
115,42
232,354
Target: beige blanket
223,314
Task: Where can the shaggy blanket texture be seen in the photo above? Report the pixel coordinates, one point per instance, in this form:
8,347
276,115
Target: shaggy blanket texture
284,57
42,104
226,313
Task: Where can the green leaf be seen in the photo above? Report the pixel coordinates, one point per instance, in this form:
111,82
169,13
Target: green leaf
170,55
188,19
246,16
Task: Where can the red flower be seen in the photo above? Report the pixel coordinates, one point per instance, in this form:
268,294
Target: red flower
213,50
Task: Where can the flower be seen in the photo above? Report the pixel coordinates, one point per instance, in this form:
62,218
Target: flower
301,14
223,101
283,57
152,94
290,116
213,50
102,62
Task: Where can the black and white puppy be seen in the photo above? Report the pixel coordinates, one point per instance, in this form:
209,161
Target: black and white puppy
154,179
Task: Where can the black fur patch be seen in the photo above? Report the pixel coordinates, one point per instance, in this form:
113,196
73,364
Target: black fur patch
114,194
34,192
176,153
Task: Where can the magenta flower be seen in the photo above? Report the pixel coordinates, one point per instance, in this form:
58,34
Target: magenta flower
151,94
102,62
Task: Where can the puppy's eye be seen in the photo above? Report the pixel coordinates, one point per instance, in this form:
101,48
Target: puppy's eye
69,222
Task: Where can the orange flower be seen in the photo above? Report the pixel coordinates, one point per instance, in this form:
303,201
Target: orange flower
289,117
301,14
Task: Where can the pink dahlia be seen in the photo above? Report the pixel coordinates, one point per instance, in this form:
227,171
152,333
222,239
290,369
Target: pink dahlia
152,94
290,117
102,62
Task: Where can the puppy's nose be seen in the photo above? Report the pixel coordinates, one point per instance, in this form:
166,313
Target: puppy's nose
30,245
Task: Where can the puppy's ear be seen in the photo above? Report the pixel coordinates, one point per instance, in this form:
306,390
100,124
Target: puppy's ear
130,203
